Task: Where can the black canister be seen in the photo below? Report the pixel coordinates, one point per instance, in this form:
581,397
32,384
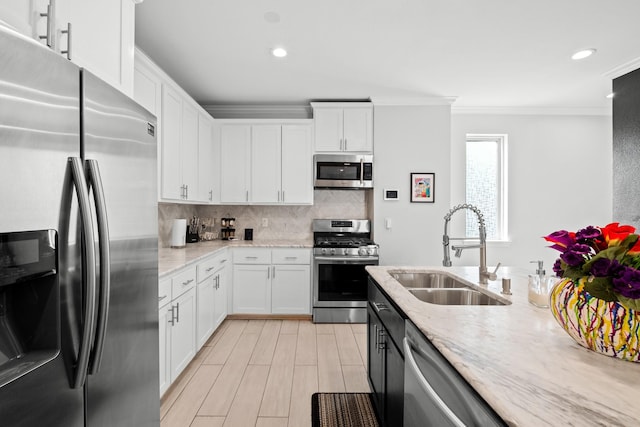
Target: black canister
248,234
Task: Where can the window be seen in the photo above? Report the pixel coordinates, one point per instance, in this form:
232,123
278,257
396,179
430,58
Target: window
486,184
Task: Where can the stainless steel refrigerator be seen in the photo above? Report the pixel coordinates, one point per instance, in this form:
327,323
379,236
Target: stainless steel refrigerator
78,246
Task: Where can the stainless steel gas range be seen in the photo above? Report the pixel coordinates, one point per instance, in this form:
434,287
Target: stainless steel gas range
342,249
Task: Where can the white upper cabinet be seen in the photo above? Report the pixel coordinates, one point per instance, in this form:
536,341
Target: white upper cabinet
172,186
268,162
208,161
265,164
101,33
189,151
235,151
297,164
341,127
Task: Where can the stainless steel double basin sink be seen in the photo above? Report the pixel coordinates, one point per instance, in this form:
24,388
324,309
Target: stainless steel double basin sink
443,288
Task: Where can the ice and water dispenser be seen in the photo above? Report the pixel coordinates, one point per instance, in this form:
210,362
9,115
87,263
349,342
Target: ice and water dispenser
29,302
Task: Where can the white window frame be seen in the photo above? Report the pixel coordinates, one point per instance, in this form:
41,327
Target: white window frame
502,181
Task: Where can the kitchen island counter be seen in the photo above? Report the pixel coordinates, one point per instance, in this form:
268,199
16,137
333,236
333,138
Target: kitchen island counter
519,359
173,259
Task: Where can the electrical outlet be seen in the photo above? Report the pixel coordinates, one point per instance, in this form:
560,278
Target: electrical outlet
265,222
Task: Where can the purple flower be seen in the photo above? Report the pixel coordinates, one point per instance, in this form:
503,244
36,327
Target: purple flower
588,233
580,248
557,268
561,239
603,267
572,258
627,283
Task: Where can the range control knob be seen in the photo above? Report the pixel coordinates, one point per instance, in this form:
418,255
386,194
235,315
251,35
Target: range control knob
344,251
324,251
333,251
371,251
362,251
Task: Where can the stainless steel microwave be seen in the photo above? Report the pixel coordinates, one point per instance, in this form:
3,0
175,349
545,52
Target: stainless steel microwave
343,171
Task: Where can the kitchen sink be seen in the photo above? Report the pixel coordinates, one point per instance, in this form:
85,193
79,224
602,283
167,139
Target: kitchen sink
454,296
428,280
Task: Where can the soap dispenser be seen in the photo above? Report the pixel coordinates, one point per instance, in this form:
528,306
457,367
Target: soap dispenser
539,287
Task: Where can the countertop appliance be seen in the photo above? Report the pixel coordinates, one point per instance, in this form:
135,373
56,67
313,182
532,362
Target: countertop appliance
343,171
342,248
434,392
78,246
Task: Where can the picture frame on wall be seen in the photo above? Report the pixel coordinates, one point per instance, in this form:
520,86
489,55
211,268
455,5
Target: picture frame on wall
422,187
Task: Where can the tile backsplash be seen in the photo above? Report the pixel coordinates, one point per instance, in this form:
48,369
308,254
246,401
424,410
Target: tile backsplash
285,222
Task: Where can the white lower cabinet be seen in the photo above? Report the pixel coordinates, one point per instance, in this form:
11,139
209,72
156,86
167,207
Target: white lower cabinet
252,289
177,324
271,281
212,296
183,332
290,289
164,302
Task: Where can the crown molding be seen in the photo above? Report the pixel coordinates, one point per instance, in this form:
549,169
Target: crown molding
623,69
535,111
413,101
259,111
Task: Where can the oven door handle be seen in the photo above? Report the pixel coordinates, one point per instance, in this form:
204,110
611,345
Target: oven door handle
358,260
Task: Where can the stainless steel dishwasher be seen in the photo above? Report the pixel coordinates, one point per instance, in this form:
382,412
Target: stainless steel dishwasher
434,392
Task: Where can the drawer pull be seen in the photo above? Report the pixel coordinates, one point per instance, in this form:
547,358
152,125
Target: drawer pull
291,257
251,257
187,282
379,306
209,269
161,298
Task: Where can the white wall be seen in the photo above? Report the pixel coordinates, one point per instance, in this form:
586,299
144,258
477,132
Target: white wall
410,139
560,177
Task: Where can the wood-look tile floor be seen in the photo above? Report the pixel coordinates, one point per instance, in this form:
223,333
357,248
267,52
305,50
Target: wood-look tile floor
263,372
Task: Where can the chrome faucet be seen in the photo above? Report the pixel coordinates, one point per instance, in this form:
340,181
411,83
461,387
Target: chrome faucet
484,273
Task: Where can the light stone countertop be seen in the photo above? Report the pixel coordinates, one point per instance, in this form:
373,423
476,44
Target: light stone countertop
171,260
519,359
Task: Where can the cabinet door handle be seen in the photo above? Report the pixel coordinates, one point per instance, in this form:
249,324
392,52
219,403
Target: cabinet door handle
268,273
68,33
282,196
345,144
173,318
210,195
274,272
247,195
50,27
178,312
375,329
381,341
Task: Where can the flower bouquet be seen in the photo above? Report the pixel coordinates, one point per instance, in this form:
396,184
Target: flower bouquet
598,301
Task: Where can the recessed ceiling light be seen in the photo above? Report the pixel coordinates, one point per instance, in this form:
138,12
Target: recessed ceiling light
272,17
279,52
583,54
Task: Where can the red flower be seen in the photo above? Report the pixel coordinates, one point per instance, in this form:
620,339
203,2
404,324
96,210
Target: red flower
635,249
615,233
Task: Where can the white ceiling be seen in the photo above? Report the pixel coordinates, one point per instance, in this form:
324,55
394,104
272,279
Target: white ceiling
486,53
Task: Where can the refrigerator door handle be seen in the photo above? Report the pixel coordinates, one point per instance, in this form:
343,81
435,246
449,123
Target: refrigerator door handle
95,182
89,276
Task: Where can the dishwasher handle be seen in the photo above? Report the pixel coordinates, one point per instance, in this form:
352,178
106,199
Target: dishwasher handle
426,387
